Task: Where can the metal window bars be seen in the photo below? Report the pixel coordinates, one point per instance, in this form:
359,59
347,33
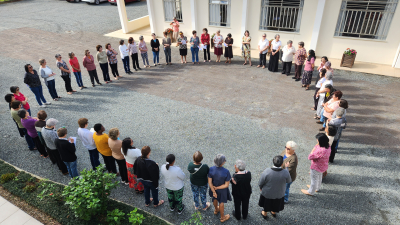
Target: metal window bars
172,8
219,14
281,15
366,19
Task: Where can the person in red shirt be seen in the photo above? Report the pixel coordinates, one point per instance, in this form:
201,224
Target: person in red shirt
76,69
205,40
20,97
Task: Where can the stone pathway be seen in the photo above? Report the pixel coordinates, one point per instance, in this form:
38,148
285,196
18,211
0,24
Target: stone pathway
12,215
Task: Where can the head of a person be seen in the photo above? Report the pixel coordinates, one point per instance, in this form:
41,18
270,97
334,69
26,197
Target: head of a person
9,98
28,68
83,122
246,33
98,127
130,40
108,46
165,33
289,43
229,35
322,73
126,144
337,95
323,140
219,160
264,36
205,31
141,38
87,52
328,75
170,160
277,37
329,87
42,115
153,35
311,54
62,132
327,65
42,62
197,157
194,33
146,152
14,89
343,104
278,161
99,48
51,123
181,34
113,133
240,165
340,112
218,32
290,147
22,113
71,55
121,42
16,105
301,44
175,19
330,130
324,59
58,57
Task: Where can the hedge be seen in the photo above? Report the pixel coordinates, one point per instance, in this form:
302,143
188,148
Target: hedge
57,209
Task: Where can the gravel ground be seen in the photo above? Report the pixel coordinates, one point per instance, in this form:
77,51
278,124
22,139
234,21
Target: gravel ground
246,114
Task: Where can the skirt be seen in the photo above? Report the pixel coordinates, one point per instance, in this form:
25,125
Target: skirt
183,52
223,195
271,205
307,75
218,51
273,62
228,52
132,178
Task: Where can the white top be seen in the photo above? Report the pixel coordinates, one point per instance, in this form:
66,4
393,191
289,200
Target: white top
48,71
173,177
331,139
217,39
124,51
320,82
326,82
86,137
288,53
263,43
276,44
132,155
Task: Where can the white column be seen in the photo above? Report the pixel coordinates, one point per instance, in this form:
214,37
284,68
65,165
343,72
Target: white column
122,15
194,14
396,61
317,24
244,17
150,6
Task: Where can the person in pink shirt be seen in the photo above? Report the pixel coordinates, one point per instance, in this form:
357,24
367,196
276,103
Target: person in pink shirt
175,29
20,97
76,69
308,70
88,63
330,107
319,157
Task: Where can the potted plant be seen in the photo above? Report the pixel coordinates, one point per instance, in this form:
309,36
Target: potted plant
169,32
348,58
211,40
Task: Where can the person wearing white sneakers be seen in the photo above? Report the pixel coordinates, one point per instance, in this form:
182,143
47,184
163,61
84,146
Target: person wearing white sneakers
32,79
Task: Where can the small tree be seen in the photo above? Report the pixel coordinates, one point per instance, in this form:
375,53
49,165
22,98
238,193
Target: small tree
115,217
135,218
87,195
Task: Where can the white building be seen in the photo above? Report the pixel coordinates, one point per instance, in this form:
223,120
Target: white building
372,27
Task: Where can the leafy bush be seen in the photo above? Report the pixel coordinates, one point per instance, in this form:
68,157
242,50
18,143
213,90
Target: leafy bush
29,188
195,220
87,196
115,217
49,190
7,177
135,217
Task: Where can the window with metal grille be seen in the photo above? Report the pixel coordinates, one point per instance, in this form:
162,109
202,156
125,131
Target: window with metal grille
220,13
365,18
172,8
281,15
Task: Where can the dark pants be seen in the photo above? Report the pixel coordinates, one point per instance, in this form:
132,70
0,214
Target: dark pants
94,158
316,99
122,170
40,146
297,71
110,163
67,81
51,85
207,53
104,69
38,91
114,69
148,186
263,59
78,77
244,202
29,140
72,168
93,76
167,53
286,68
125,61
135,61
333,151
56,155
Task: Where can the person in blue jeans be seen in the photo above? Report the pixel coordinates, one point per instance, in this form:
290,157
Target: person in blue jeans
194,47
33,81
48,75
199,181
66,148
289,156
124,56
155,47
76,69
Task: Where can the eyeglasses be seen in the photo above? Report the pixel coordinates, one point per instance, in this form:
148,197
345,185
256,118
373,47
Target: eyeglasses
287,148
30,67
264,36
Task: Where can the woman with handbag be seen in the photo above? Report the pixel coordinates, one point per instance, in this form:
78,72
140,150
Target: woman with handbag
198,180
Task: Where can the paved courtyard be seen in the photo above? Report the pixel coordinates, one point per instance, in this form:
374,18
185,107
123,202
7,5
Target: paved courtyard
243,112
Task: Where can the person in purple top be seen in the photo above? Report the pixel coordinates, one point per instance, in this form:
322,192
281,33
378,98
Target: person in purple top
29,124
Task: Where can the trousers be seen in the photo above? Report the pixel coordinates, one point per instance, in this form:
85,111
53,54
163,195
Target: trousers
110,163
263,59
114,69
207,53
38,91
316,180
51,85
156,57
67,81
241,206
122,170
297,71
167,53
195,54
104,69
78,77
93,76
175,199
286,67
135,61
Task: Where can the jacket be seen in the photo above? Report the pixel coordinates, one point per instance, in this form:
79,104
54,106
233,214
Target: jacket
89,63
273,182
147,170
293,161
155,44
66,149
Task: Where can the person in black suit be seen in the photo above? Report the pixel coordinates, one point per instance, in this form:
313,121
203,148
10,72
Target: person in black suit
66,148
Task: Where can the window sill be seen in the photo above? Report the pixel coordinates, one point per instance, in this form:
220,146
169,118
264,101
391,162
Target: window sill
219,26
360,39
278,32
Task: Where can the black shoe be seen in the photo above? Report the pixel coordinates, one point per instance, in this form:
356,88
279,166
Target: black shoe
274,215
92,85
288,74
99,83
183,208
265,217
283,72
319,122
293,77
139,68
135,69
297,79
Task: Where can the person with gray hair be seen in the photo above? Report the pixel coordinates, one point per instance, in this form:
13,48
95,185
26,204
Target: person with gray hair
241,190
287,57
49,135
65,73
218,180
289,156
299,59
272,185
276,45
143,51
339,122
263,46
48,76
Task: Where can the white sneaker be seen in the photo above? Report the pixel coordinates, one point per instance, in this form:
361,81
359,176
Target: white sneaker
43,106
47,103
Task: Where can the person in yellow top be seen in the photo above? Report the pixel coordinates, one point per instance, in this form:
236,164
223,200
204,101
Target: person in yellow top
101,141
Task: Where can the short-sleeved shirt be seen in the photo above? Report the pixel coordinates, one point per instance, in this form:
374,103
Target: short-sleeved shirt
101,142
29,125
263,43
180,39
299,58
332,105
275,44
17,119
143,46
308,65
112,57
175,26
63,65
219,175
21,98
216,41
198,174
196,42
75,63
